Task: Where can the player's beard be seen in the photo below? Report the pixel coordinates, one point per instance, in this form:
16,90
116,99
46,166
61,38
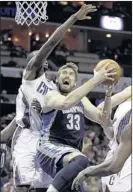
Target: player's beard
63,90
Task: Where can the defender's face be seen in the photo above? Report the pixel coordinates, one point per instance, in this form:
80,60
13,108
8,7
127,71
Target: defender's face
66,80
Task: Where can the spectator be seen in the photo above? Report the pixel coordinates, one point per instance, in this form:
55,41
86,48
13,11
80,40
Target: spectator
3,97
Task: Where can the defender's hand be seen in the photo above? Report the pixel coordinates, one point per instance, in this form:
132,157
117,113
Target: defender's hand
36,105
78,180
109,89
85,9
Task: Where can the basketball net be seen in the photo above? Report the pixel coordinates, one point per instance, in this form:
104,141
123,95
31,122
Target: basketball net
28,12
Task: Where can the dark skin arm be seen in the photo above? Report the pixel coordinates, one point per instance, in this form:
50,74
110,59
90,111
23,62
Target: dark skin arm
7,133
36,62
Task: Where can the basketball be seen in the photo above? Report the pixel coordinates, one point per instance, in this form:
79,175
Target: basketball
63,62
109,63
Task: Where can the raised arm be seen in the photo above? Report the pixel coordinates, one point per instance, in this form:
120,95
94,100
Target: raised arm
55,100
8,131
108,104
107,123
37,61
113,165
118,98
101,117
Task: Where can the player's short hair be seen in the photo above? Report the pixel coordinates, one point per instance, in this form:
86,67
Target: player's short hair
69,65
31,55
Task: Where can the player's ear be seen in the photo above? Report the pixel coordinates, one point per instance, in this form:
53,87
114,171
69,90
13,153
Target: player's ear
56,81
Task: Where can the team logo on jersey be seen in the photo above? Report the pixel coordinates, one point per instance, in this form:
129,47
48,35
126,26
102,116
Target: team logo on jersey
42,88
75,109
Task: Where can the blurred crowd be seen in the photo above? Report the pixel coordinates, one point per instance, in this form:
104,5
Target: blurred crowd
121,54
95,147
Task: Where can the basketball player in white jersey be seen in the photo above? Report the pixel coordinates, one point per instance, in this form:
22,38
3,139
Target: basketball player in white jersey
122,97
121,133
35,84
25,138
123,120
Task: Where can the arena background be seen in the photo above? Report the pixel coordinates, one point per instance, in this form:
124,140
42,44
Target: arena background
86,43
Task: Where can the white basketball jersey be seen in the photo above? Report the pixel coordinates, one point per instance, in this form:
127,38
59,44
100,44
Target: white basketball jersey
27,92
24,148
37,88
120,113
112,180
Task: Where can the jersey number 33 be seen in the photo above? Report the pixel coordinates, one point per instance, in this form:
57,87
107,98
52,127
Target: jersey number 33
73,122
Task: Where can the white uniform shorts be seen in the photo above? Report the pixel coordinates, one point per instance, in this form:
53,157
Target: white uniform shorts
25,167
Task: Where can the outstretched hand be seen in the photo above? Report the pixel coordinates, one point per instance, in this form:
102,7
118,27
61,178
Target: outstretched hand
85,9
78,180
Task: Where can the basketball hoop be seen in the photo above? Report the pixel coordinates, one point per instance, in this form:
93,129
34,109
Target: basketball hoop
31,12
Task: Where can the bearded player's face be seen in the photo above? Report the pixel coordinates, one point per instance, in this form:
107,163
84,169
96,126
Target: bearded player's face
66,80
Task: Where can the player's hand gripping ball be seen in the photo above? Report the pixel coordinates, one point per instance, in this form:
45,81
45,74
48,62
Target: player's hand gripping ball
109,63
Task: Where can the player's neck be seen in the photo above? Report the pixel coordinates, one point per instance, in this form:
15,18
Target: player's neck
65,94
